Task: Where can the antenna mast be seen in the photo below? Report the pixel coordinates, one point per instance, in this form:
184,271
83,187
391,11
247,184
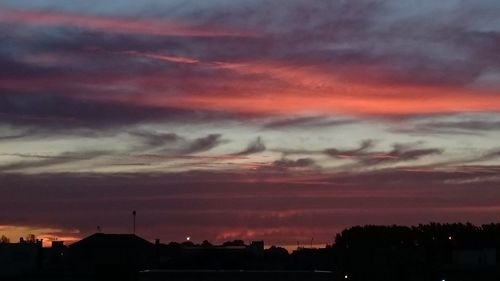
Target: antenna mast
133,218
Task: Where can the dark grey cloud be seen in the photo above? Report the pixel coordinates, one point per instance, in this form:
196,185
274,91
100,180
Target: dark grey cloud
493,154
364,146
285,163
45,161
461,127
363,149
13,136
11,68
172,145
152,139
253,147
203,144
399,153
365,156
480,157
151,147
306,122
45,113
473,125
46,131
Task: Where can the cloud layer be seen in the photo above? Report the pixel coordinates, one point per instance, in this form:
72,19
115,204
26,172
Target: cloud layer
280,120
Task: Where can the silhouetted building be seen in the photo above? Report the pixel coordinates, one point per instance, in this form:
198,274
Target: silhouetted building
257,248
385,253
110,253
55,257
20,258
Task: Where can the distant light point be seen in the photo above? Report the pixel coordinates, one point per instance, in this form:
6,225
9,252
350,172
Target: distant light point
188,238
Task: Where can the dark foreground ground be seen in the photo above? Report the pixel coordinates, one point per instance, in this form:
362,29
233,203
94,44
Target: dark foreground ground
431,252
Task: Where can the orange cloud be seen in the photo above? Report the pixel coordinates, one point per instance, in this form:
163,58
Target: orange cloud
306,90
265,88
163,57
388,101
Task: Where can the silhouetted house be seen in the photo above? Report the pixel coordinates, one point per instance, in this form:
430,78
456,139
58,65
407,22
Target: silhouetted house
257,248
110,253
55,257
20,258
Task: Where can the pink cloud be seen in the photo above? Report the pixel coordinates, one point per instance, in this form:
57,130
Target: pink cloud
114,24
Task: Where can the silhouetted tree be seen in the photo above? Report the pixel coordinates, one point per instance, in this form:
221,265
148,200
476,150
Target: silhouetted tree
4,240
30,238
205,243
234,243
187,244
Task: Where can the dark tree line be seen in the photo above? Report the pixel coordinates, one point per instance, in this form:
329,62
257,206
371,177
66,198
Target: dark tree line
423,252
457,235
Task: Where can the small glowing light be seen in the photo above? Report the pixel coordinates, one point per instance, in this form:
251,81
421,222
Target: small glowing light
346,276
188,238
449,238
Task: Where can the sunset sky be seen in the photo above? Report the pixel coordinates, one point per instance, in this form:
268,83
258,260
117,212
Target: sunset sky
277,120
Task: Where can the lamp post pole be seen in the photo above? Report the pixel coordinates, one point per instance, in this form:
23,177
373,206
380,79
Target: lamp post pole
133,215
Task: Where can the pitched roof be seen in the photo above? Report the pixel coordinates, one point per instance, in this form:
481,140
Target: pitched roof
103,240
